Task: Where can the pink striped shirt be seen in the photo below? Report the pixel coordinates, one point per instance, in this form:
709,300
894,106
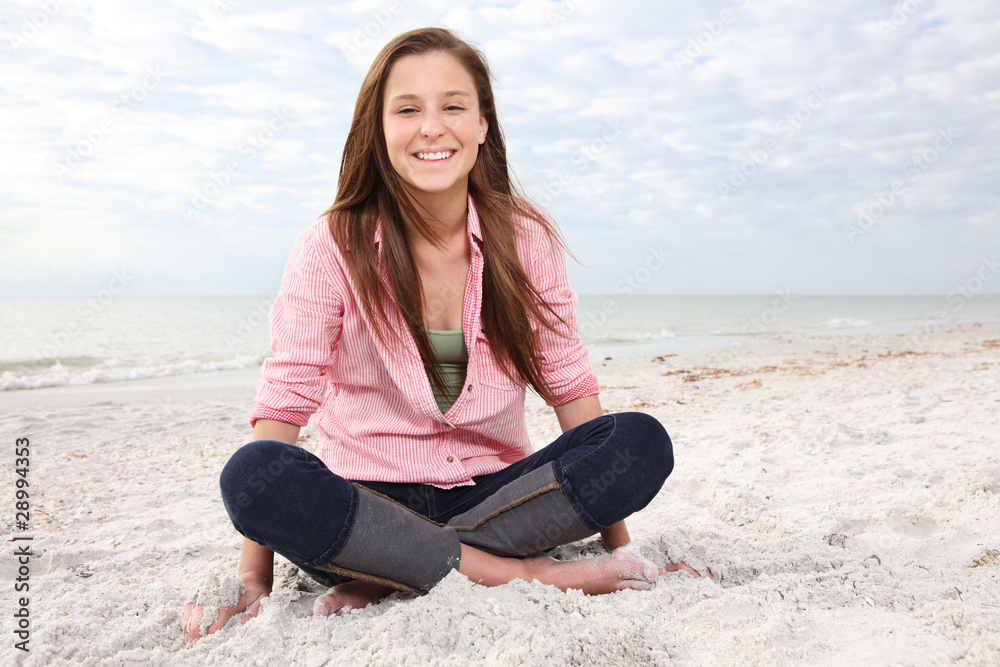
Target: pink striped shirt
373,406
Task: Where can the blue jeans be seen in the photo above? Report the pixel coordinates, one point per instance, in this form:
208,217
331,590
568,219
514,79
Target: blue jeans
285,498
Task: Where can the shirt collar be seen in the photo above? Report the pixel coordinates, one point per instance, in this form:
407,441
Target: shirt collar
471,225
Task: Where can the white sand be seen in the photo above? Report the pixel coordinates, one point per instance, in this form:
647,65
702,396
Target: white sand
845,491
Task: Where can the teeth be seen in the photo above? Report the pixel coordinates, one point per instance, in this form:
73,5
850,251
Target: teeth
435,156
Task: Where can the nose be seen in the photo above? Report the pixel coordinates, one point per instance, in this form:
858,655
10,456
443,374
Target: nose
433,125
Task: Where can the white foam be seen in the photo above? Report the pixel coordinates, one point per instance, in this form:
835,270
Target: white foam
638,337
112,370
846,323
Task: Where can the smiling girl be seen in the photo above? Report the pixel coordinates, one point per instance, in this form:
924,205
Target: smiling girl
412,316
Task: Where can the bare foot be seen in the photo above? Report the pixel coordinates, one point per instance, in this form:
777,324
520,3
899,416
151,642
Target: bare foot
353,595
594,576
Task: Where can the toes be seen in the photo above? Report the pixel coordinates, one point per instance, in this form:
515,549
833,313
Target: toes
323,606
635,566
643,571
329,603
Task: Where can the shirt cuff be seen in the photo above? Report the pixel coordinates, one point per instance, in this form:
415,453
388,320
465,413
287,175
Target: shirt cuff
589,387
287,416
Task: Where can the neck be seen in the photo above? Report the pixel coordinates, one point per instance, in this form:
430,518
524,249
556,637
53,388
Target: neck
444,213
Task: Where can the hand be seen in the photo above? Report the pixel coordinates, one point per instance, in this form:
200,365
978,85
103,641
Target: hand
255,590
681,566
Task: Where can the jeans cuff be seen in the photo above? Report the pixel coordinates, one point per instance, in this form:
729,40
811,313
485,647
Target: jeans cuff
392,545
526,516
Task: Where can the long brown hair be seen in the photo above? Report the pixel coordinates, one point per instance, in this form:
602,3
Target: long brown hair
369,189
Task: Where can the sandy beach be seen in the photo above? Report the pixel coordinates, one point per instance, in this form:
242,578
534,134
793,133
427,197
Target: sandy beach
844,490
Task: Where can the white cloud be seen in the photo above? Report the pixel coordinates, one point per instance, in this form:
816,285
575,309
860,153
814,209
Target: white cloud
563,75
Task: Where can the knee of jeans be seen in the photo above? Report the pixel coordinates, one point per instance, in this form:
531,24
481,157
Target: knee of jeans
253,470
657,449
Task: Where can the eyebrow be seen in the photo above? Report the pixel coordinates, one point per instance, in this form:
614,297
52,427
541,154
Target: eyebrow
450,93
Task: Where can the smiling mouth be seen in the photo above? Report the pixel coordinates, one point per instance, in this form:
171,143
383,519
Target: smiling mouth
434,157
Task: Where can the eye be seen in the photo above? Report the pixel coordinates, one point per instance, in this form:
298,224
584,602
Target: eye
454,107
407,110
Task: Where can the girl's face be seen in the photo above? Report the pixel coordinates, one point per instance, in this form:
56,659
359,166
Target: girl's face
432,123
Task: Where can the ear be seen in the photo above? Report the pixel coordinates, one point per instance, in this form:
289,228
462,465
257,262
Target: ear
483,127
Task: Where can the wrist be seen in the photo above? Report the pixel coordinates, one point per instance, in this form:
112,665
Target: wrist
615,536
610,544
256,579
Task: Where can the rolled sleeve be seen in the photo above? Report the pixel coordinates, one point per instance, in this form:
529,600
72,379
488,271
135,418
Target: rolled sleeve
306,321
562,355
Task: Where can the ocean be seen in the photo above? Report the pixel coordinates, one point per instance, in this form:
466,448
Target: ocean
49,342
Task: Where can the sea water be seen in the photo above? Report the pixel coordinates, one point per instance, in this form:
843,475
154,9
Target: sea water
46,342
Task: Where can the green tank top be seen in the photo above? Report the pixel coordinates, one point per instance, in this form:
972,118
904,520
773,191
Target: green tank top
453,361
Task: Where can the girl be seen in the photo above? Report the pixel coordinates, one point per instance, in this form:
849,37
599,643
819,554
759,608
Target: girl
411,318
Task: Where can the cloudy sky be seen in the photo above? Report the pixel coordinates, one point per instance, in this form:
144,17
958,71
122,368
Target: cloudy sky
817,147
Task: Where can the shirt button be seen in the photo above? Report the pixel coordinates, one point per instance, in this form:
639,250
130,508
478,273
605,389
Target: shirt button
451,459
469,388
